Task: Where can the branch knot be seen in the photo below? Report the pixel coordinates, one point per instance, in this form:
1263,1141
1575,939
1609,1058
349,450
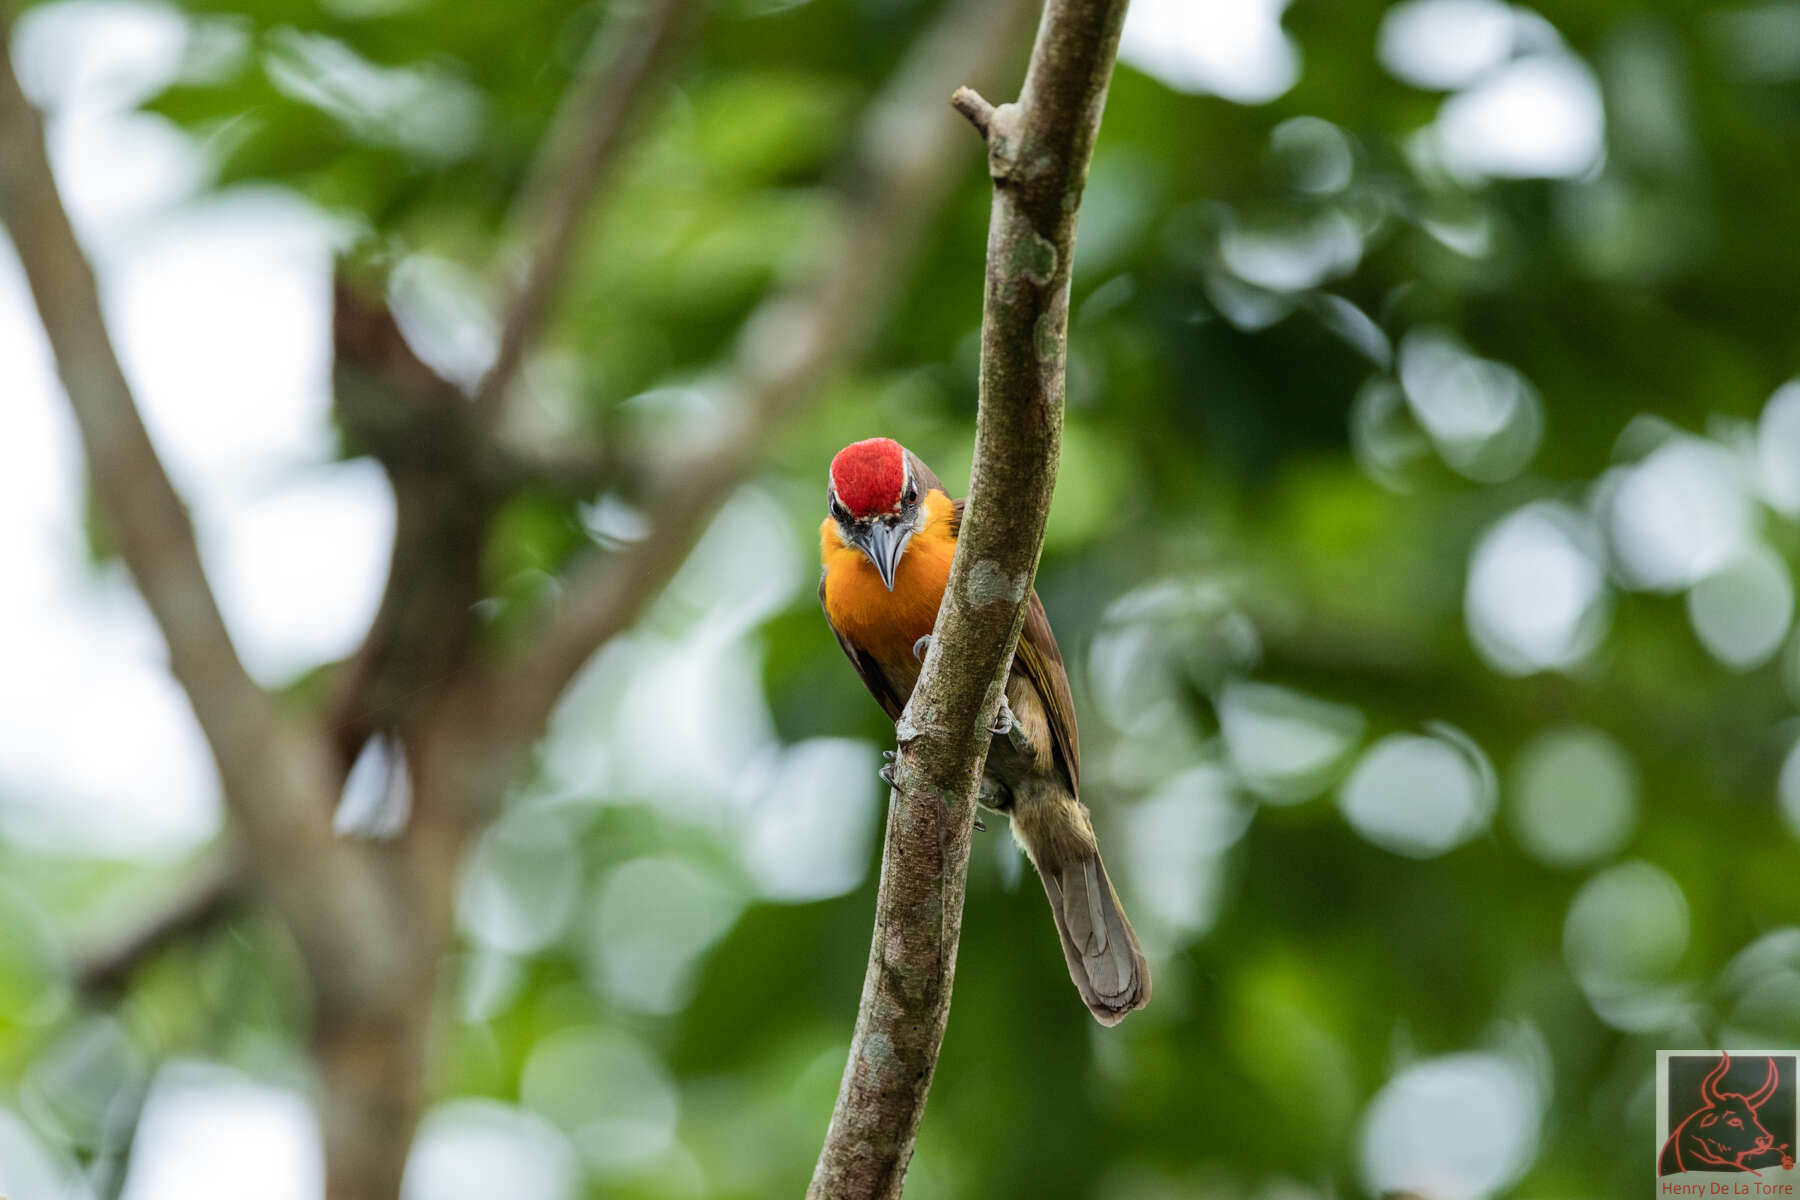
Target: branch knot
968,102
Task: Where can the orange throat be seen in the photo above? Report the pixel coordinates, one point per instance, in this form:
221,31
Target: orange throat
859,606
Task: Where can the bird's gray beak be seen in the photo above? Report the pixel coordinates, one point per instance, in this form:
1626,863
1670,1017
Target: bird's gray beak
884,544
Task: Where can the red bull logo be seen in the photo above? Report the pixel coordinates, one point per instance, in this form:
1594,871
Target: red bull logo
1725,1115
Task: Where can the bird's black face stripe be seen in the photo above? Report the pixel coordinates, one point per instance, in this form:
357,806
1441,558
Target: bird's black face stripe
839,513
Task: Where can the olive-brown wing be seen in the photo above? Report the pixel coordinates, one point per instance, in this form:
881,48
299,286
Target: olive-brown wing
1039,657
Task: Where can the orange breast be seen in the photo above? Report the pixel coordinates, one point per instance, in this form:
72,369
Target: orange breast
886,624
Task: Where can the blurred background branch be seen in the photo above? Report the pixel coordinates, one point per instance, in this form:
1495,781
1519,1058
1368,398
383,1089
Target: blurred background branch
583,141
270,767
107,969
901,165
331,894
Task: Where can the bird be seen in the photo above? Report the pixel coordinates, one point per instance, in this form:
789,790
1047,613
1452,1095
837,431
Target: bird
885,547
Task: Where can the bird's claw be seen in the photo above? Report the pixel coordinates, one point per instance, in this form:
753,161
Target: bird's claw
892,760
921,647
1008,726
1004,721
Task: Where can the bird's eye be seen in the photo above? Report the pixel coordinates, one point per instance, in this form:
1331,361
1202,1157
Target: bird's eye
912,495
838,510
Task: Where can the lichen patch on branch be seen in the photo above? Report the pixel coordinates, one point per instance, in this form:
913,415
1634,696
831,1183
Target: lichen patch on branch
1034,258
990,583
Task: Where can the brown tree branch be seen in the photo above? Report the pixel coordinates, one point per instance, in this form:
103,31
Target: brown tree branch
582,145
907,163
1038,155
968,102
108,968
154,534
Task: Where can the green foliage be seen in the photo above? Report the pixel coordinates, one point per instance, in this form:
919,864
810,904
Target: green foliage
1224,512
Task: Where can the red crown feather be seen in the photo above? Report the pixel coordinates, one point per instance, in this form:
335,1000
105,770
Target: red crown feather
869,476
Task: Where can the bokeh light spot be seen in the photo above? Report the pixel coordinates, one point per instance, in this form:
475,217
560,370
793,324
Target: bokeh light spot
1460,1127
1444,44
300,570
27,1168
85,1085
481,1149
1537,597
1291,255
1759,991
1574,797
1538,117
1286,746
653,920
610,1095
807,835
1778,447
520,885
1385,438
1678,515
1742,612
1177,840
1484,418
211,1133
1231,48
1417,796
1312,155
1787,790
1626,929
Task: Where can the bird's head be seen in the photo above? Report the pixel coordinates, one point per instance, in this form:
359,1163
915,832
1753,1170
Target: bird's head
875,499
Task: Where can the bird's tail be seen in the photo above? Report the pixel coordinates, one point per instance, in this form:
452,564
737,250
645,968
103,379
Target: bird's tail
1103,954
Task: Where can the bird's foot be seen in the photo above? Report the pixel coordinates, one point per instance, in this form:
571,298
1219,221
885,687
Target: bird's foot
892,760
1008,726
921,647
1004,721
